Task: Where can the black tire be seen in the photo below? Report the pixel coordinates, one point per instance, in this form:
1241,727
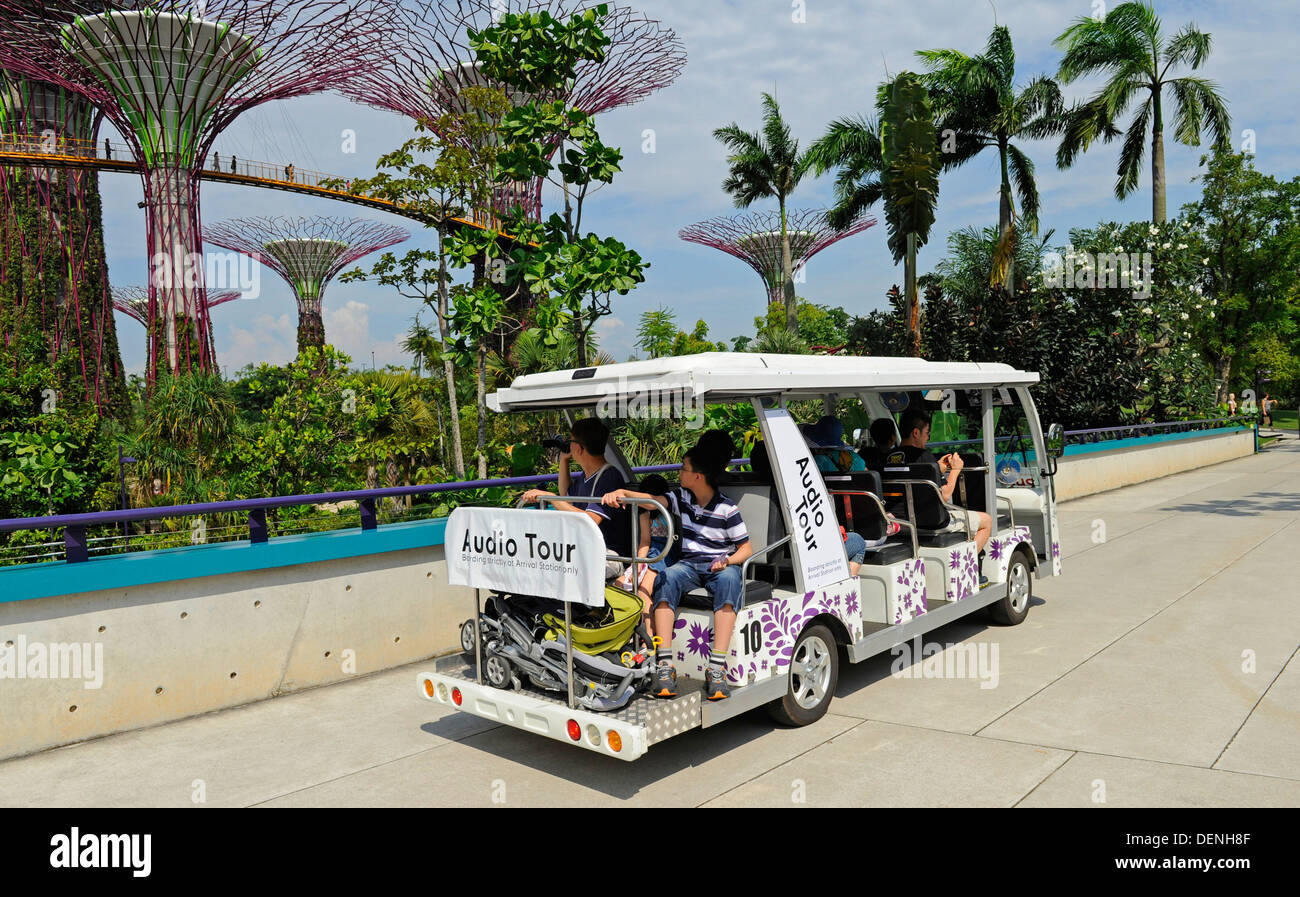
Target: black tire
814,673
1013,607
497,672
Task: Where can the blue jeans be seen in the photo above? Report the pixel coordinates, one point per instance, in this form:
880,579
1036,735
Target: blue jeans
671,583
855,547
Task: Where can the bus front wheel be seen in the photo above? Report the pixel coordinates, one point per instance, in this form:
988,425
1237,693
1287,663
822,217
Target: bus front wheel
813,674
1014,606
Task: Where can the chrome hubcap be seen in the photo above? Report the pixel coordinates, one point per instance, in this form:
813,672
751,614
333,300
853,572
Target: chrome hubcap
1018,586
810,672
496,670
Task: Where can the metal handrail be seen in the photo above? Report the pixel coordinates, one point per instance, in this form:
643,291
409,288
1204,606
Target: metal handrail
911,507
916,547
961,485
744,568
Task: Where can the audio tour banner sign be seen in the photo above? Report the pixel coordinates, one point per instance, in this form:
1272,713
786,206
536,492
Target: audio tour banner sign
818,548
549,554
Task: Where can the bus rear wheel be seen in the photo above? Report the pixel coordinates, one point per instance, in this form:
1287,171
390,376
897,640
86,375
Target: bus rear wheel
1014,606
812,677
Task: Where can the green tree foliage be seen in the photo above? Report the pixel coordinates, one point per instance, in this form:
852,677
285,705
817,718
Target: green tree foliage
656,332
307,437
1249,225
820,326
570,274
658,335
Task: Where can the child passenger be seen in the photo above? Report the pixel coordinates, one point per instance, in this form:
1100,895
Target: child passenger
714,543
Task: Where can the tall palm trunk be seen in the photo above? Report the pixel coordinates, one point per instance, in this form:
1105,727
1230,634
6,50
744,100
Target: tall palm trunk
1004,224
787,276
1157,161
913,301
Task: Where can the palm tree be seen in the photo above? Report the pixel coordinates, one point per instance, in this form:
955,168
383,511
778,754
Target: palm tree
909,179
851,145
763,165
1129,48
976,107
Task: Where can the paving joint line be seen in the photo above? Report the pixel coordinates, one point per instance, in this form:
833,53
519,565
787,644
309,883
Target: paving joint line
1255,707
1129,632
814,747
1026,795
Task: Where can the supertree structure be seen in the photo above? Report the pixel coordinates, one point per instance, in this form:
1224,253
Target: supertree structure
755,239
54,303
171,75
307,253
432,63
133,301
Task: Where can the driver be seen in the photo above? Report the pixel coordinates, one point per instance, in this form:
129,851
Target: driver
914,424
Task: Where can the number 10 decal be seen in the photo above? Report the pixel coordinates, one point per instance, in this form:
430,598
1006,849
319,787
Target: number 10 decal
753,637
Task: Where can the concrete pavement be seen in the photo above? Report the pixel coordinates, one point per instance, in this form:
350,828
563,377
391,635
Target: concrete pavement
1160,670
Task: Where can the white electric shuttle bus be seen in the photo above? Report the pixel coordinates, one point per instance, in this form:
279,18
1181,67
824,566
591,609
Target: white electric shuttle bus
802,611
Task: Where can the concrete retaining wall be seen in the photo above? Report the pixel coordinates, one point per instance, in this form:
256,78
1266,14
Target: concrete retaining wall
171,650
1100,471
185,646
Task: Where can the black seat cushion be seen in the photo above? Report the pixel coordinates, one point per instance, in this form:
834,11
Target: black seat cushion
940,540
929,539
889,553
701,600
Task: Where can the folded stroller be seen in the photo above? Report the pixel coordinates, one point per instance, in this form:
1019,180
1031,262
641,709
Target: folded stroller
523,637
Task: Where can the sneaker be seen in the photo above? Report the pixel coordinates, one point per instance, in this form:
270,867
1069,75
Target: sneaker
715,685
665,681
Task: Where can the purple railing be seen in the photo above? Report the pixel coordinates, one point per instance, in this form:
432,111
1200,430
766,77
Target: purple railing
75,525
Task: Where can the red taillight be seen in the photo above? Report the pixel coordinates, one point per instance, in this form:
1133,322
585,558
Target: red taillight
575,730
455,696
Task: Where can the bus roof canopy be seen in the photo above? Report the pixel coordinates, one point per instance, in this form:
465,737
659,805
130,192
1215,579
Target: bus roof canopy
723,377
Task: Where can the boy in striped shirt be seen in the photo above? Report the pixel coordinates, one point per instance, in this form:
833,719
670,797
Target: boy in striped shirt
714,545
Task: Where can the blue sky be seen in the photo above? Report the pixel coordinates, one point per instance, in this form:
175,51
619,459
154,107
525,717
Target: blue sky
820,69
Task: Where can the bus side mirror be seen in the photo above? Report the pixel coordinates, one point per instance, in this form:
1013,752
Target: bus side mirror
1055,441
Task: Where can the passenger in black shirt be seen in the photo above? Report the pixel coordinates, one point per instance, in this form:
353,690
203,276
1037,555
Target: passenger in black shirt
883,438
915,427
